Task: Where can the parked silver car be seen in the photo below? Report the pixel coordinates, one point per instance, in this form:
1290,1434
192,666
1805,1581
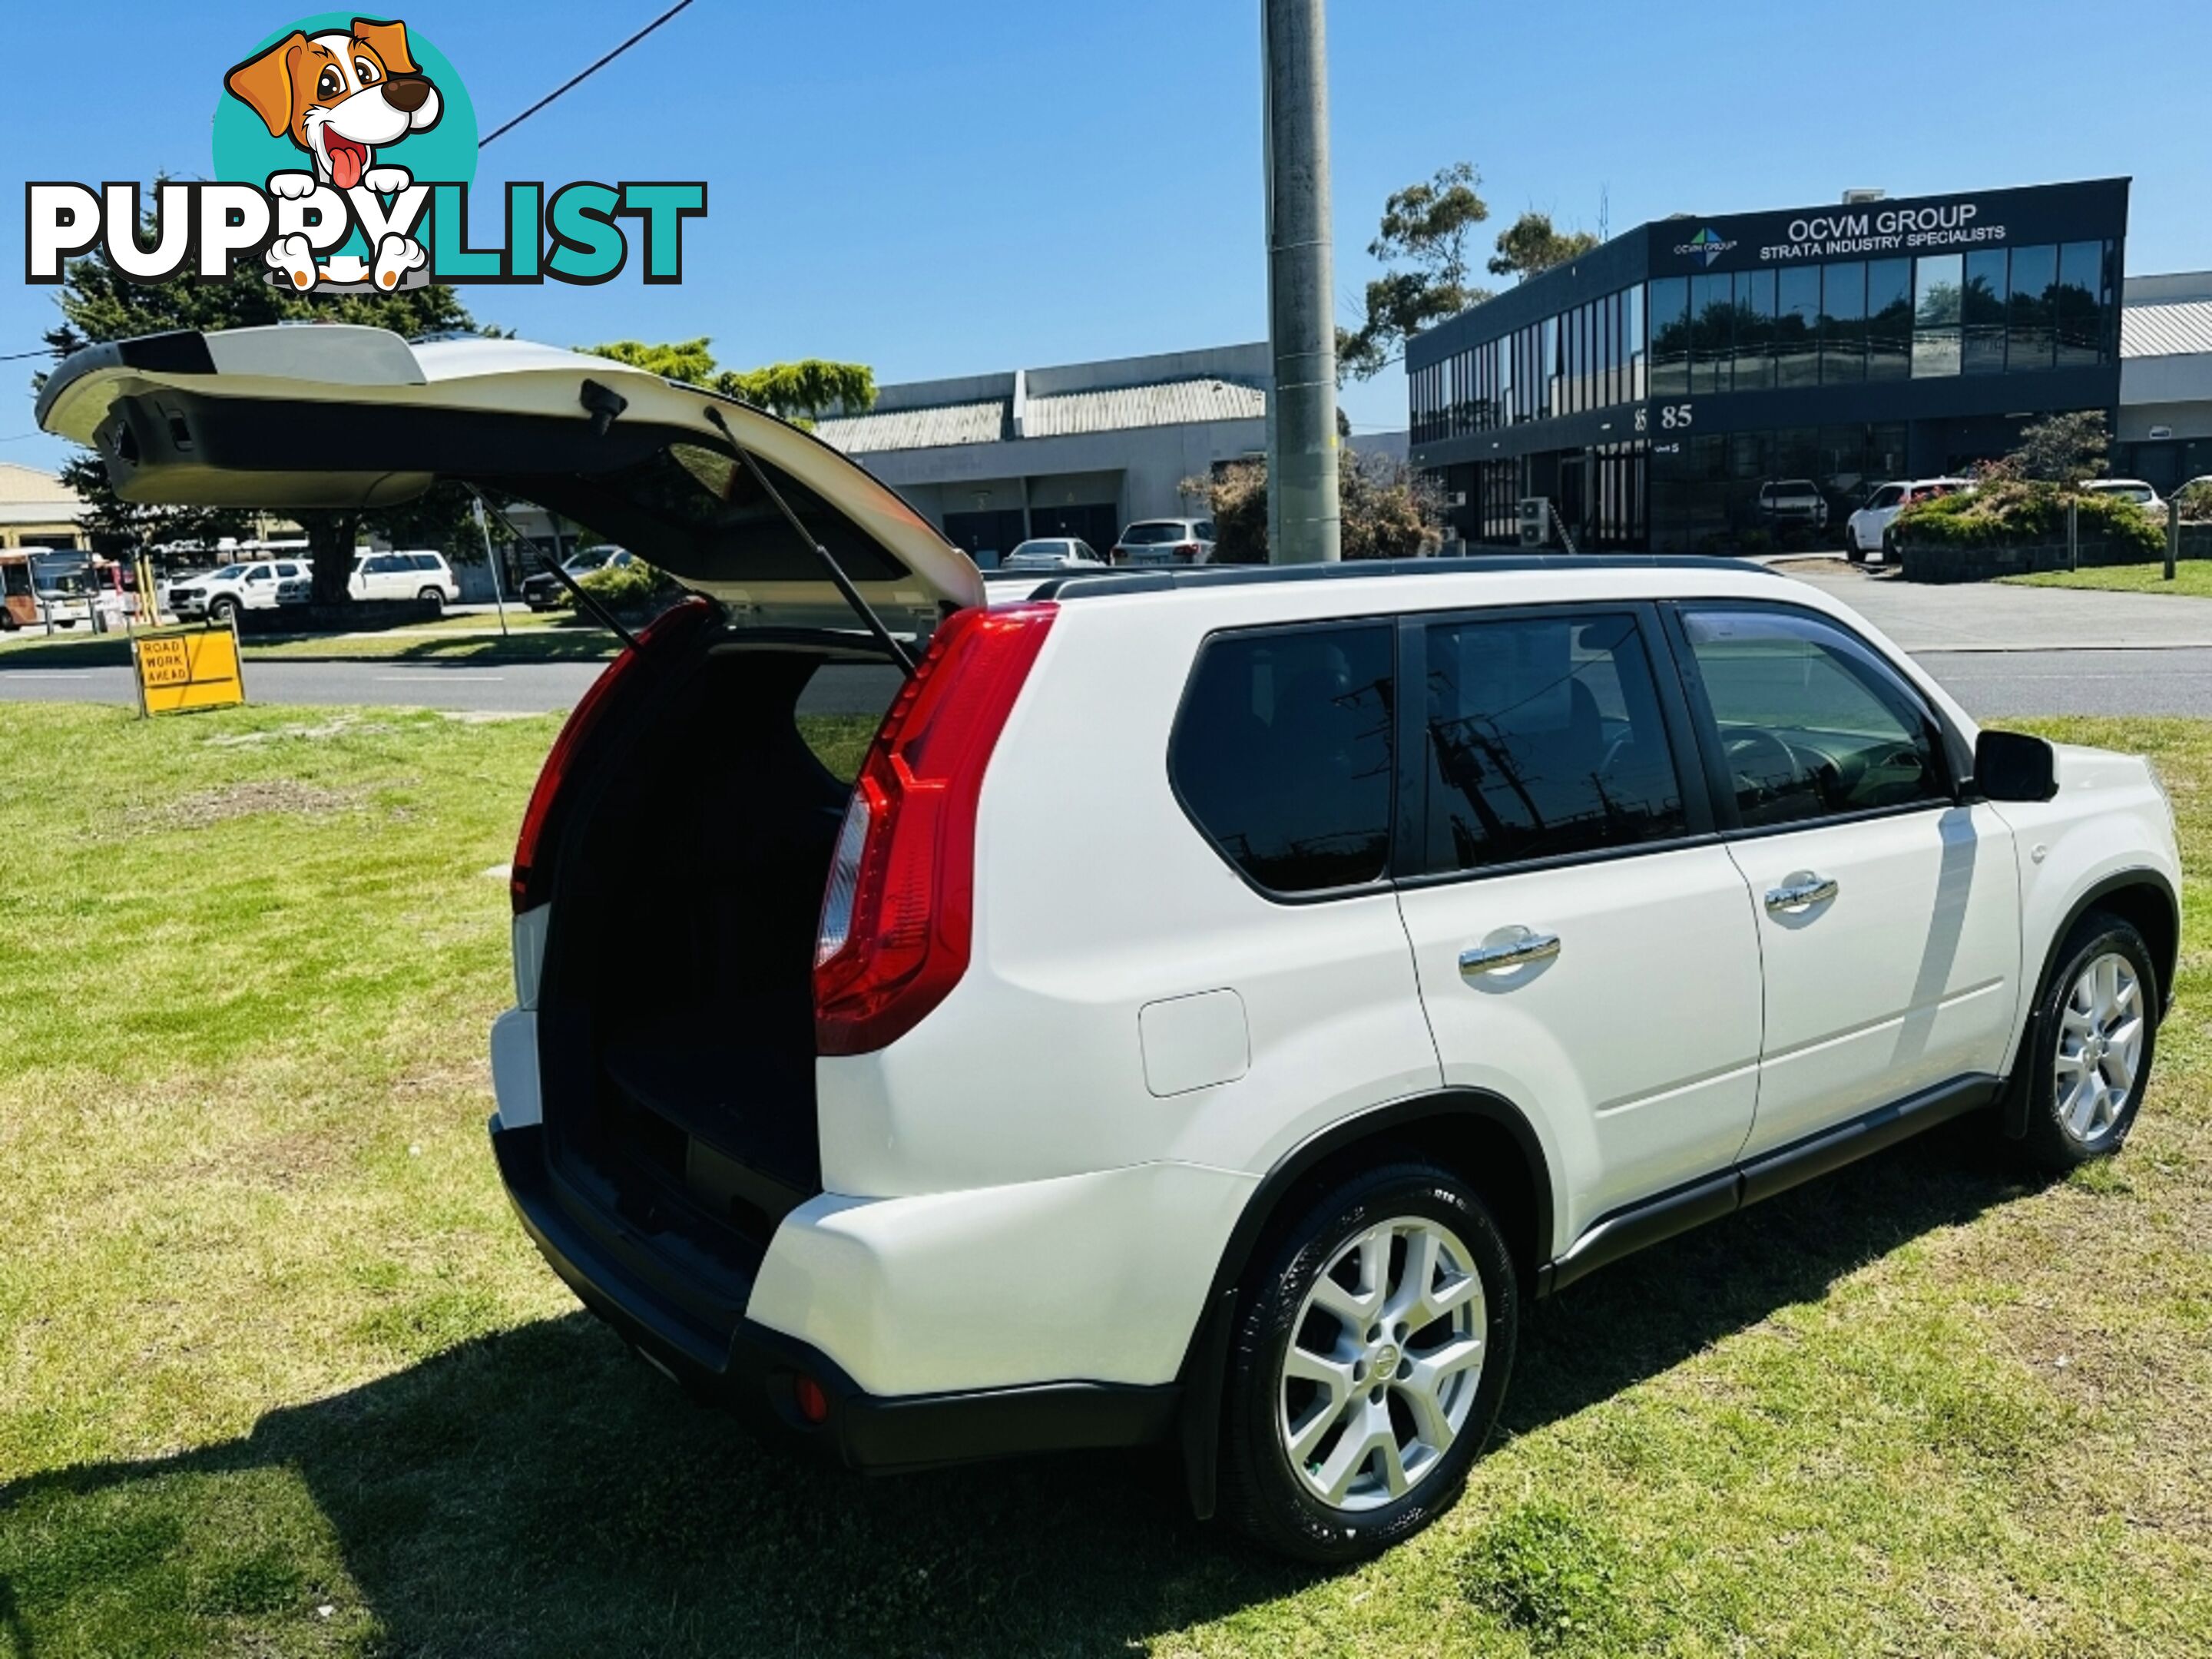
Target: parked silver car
1166,541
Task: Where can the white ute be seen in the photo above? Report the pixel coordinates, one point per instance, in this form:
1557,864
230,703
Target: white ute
1226,997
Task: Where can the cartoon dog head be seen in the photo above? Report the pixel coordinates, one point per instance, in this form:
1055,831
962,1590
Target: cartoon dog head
339,96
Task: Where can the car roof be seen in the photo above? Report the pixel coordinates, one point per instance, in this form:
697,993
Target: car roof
1581,572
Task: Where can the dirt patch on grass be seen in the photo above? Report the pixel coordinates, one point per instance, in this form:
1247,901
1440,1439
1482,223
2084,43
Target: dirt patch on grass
244,799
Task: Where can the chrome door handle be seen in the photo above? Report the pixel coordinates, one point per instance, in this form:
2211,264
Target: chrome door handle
1513,953
1801,891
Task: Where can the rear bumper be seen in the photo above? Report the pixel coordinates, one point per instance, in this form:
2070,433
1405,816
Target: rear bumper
754,1371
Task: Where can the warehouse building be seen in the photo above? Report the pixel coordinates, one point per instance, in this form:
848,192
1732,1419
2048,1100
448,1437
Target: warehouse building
1079,449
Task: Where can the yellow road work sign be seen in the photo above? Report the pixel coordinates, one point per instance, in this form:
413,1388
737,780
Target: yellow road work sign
181,668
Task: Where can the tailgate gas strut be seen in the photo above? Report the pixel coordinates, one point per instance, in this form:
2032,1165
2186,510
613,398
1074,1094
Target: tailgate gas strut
576,590
898,653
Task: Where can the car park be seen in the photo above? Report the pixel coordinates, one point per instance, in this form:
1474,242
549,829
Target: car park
1225,999
421,573
1866,532
544,591
1165,541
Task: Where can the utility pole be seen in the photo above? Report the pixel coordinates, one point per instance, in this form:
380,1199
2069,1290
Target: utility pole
1302,525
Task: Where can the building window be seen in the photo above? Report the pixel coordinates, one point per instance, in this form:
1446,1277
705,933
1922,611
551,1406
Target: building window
1670,337
1632,332
2078,311
1982,313
1936,280
2028,332
1842,322
1797,325
1712,330
1889,319
1754,330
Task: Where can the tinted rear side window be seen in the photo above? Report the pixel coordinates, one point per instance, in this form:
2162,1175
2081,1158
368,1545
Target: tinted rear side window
1282,754
1545,739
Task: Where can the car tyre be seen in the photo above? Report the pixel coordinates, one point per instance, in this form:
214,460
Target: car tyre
222,612
1852,551
2096,1031
1376,1461
436,599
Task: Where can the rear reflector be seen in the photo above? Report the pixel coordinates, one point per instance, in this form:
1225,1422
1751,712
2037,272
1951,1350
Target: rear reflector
813,1404
530,881
898,907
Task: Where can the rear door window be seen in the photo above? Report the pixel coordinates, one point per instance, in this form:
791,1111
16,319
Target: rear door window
1282,754
1546,739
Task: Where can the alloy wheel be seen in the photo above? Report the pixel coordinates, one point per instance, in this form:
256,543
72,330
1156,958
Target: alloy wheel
2100,1047
1383,1363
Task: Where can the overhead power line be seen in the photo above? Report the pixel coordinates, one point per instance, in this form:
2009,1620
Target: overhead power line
509,126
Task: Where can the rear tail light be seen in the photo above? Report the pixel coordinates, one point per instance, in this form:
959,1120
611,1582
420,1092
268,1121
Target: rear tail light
898,907
529,879
1187,551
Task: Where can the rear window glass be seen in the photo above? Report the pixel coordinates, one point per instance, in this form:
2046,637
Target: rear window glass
1545,739
1282,754
1138,534
699,511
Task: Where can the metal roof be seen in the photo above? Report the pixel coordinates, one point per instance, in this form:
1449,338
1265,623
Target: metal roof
915,428
2178,330
27,484
1169,403
1056,415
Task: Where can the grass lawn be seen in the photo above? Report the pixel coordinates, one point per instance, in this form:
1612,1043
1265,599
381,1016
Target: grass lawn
280,1375
2191,577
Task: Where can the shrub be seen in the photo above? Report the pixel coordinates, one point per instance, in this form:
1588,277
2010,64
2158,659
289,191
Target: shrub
1387,510
616,585
2008,511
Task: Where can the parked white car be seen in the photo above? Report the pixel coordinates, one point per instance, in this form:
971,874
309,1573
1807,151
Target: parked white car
1226,997
2131,489
1065,553
1866,532
414,575
1785,502
219,595
1165,541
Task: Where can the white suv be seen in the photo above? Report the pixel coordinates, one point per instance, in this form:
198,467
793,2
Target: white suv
1226,997
1866,532
406,574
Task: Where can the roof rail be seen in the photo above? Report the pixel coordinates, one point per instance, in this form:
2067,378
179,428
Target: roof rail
1152,580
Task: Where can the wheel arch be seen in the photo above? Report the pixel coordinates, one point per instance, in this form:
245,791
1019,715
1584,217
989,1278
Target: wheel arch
1479,1135
2143,898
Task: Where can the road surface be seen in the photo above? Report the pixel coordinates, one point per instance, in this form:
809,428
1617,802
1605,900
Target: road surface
2001,651
506,688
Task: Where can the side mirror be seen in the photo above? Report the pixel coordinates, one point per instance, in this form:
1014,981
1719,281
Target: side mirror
2013,766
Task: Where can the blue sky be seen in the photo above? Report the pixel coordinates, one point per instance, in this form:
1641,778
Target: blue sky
978,183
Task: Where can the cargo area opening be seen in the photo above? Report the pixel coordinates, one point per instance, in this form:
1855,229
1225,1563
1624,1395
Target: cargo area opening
676,1011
